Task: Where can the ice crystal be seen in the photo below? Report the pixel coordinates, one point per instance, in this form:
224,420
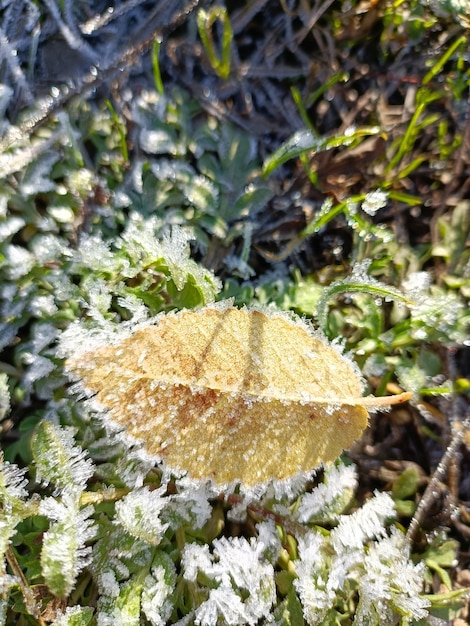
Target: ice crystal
43,334
37,177
4,396
361,556
59,460
441,315
189,507
12,483
245,590
268,537
64,551
10,227
436,314
368,522
416,284
38,367
389,583
374,201
412,378
73,616
43,306
290,488
12,511
95,254
132,577
19,262
99,300
312,572
157,603
322,500
139,513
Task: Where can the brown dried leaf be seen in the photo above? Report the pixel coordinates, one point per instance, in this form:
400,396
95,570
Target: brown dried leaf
230,394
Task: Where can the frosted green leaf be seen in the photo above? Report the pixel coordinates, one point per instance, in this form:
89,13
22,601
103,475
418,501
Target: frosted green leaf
328,500
13,507
160,141
10,226
74,616
37,177
19,262
139,513
243,589
12,485
311,583
59,461
361,282
412,378
390,584
368,522
4,396
157,602
95,254
191,508
440,315
123,607
64,551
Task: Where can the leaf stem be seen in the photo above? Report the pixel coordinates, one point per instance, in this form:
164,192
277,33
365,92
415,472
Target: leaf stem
28,595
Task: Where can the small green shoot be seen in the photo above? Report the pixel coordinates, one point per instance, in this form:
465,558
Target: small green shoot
220,60
121,130
306,141
157,76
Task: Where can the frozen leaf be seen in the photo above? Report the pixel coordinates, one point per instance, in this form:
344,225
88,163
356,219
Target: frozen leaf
37,177
124,609
191,508
12,488
389,584
245,590
374,201
139,513
328,499
10,227
64,551
157,602
366,523
18,262
74,616
58,460
230,394
4,396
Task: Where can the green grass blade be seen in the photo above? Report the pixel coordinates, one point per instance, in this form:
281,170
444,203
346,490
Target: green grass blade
157,76
305,141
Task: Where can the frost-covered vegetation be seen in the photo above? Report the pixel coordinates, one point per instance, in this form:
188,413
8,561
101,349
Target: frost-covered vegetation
282,154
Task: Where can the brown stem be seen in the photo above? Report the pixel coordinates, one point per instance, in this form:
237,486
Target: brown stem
28,595
439,474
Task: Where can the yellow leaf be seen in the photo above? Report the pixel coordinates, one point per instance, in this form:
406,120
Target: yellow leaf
230,394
